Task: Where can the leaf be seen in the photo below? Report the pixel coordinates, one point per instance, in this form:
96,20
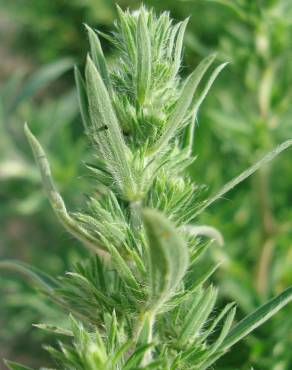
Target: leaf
121,352
183,103
204,276
16,366
54,329
82,99
55,198
204,230
85,285
107,131
188,138
257,318
224,331
172,37
42,78
179,46
249,323
127,34
143,79
122,267
135,359
167,257
43,279
205,91
98,56
111,325
197,316
216,321
231,184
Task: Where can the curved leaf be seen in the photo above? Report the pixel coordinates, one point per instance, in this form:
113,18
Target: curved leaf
16,366
55,198
43,279
167,256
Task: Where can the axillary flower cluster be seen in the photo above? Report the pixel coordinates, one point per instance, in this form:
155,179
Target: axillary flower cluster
140,301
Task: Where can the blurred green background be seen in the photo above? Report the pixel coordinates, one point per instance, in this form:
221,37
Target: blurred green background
246,114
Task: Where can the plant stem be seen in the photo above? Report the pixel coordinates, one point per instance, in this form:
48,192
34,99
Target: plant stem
148,354
262,186
145,323
268,230
135,210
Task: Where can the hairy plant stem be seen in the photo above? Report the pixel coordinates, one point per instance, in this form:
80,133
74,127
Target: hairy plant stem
150,319
146,321
135,211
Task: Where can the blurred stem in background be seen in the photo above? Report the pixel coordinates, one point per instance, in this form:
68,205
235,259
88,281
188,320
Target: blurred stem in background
268,231
262,189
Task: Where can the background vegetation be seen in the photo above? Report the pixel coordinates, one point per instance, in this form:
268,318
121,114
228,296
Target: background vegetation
246,114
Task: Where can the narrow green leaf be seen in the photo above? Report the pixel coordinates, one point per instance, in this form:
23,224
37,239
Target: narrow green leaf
193,356
54,329
202,279
179,46
216,321
170,46
257,318
107,131
98,56
183,104
198,315
82,99
16,366
111,324
122,267
104,298
207,88
250,323
58,356
127,34
231,184
121,352
167,255
154,365
41,79
135,359
44,280
224,332
55,198
143,59
188,138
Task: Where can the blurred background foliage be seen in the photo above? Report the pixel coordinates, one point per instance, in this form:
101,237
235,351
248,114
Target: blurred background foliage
247,113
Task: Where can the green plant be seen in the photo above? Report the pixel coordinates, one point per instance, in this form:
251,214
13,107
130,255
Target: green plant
142,301
262,32
248,113
25,218
57,35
